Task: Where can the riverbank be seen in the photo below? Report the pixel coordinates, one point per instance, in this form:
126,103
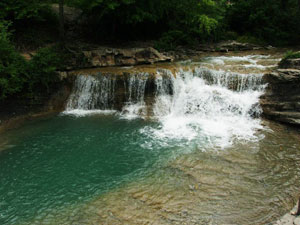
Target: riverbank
13,112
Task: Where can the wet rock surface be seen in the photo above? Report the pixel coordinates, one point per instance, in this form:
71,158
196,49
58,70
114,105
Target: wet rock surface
228,46
281,101
290,63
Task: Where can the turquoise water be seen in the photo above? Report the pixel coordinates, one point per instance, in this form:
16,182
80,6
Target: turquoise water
62,160
106,170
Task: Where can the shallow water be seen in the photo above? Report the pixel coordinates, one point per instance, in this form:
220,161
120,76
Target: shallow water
57,162
200,157
101,170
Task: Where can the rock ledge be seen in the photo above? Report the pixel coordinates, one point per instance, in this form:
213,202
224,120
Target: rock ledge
281,101
102,57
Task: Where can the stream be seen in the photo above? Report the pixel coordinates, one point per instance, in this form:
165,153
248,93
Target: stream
177,143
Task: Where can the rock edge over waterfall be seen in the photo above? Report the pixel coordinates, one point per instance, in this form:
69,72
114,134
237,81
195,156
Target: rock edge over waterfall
281,101
124,57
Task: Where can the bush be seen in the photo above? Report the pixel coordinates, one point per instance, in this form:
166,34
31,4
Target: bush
12,65
31,34
170,40
250,39
42,68
291,55
20,9
27,77
276,22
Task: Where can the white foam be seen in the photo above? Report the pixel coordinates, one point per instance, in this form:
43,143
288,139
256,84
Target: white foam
199,110
257,66
83,112
134,111
204,106
253,59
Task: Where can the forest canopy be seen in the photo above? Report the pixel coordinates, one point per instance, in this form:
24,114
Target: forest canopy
190,21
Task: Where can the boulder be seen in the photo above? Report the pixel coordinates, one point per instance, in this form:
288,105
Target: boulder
281,101
236,46
290,63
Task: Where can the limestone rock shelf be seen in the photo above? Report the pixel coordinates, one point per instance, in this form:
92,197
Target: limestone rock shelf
281,101
124,57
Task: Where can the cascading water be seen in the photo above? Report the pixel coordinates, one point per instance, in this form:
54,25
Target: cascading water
190,103
135,90
203,105
91,93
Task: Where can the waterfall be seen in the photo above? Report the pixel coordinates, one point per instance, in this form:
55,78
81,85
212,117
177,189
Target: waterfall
233,81
195,100
203,102
91,94
135,89
197,90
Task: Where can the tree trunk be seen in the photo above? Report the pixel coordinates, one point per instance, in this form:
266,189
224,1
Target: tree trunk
61,24
284,4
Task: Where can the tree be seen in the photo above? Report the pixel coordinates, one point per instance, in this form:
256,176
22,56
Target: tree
61,24
12,65
275,21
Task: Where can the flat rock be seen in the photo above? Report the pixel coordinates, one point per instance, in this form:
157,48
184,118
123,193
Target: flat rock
297,221
287,219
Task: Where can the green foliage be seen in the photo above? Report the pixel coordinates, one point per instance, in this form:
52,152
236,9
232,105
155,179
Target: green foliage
199,19
32,22
12,65
275,21
247,38
172,39
291,55
21,9
34,34
42,70
20,76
